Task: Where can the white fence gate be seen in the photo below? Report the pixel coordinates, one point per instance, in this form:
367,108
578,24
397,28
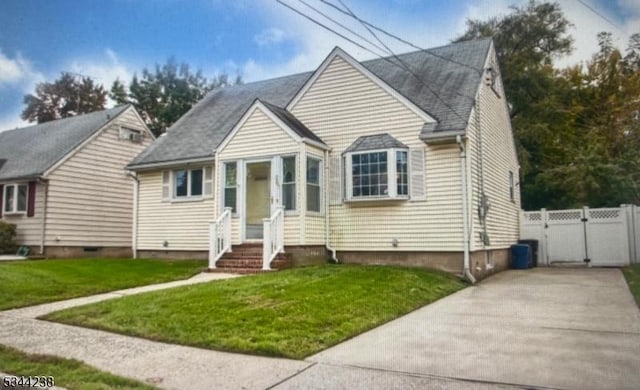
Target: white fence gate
601,237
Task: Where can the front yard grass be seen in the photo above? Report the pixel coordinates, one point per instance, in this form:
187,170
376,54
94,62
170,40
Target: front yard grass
632,274
292,313
71,374
25,283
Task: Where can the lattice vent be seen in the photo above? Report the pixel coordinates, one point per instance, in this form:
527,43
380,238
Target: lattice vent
565,215
533,217
604,214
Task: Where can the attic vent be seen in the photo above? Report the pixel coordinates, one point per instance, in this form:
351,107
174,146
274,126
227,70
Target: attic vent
130,134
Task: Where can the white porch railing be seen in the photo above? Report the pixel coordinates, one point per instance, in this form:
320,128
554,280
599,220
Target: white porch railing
273,241
220,237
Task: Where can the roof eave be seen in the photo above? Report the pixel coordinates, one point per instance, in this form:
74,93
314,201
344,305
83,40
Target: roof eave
169,164
442,137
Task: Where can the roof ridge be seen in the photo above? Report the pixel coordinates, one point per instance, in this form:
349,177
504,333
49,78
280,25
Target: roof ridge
69,118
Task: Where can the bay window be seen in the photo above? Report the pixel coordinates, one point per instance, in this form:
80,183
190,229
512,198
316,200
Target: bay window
377,174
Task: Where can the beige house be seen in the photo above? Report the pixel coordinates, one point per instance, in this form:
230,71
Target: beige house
64,185
406,160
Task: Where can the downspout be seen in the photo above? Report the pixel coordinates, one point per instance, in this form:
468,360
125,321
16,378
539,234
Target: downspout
134,227
43,230
466,272
327,244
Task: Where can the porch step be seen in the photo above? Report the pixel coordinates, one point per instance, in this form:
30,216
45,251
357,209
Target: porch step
247,259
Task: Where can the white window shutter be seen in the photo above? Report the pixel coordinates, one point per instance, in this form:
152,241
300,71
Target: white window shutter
417,174
335,180
166,186
208,182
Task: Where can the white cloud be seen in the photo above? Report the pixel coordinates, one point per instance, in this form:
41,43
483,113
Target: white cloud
18,72
270,36
104,70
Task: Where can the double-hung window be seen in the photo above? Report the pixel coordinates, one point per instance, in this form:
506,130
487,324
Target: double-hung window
230,185
15,198
289,183
187,183
313,184
378,174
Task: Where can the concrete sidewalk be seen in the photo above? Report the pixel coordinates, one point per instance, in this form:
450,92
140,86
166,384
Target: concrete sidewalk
164,365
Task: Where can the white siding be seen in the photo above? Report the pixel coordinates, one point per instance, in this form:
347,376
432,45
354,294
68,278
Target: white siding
342,105
90,198
492,156
29,229
184,225
260,137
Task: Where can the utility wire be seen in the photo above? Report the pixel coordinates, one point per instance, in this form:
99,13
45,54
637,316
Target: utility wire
326,27
595,11
364,22
341,25
403,64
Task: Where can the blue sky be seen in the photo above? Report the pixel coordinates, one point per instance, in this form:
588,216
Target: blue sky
258,39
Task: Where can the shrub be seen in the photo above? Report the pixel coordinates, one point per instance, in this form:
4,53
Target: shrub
7,238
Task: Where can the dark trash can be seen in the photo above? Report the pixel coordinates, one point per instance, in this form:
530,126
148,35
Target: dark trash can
520,255
533,245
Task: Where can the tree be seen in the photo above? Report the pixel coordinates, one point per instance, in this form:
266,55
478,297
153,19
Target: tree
65,97
163,96
527,40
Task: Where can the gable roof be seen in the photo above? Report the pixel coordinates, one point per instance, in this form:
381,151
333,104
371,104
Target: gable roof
445,91
28,152
293,123
373,142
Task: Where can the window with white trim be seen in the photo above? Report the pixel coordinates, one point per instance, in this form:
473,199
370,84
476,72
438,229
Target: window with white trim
187,183
378,174
289,183
15,198
313,184
230,185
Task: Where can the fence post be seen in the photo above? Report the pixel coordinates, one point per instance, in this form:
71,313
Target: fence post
585,221
543,236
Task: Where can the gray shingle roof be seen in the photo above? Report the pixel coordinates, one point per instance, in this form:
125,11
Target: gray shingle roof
372,142
445,90
28,152
293,122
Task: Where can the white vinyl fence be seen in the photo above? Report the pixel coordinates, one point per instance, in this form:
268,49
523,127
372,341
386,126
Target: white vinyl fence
601,237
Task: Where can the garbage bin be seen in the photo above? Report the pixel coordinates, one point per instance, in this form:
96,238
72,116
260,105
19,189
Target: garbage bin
520,255
533,245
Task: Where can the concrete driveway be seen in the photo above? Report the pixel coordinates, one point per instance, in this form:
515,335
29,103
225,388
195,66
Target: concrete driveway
546,327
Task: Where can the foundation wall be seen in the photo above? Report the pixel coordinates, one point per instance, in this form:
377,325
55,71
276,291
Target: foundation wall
79,251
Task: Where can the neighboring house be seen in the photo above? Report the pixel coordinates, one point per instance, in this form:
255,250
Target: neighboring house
64,185
370,162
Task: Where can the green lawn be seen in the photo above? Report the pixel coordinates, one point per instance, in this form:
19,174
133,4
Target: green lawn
67,373
632,273
292,313
25,283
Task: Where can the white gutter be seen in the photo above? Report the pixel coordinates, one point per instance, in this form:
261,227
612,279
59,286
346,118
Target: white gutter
465,212
134,227
334,256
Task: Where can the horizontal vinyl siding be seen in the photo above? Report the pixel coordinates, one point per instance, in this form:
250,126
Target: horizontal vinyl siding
29,229
90,198
184,225
498,157
260,137
342,105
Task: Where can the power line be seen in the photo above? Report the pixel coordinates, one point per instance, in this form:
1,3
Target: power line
364,22
341,25
378,55
404,65
595,11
